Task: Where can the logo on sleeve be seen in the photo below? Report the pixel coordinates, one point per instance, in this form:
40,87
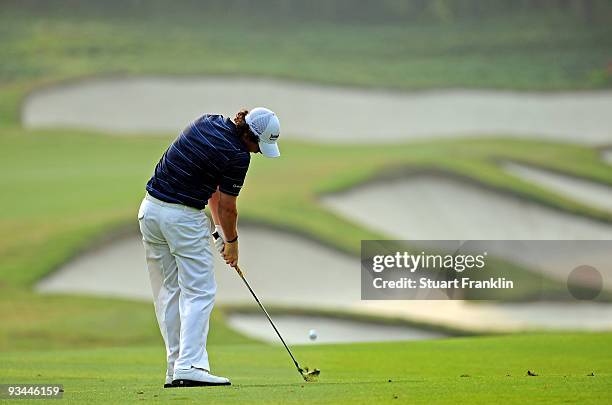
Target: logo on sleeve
237,185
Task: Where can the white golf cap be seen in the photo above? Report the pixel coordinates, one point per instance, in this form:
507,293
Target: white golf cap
264,123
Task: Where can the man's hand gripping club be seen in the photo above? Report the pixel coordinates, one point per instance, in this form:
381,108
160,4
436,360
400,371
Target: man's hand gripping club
229,250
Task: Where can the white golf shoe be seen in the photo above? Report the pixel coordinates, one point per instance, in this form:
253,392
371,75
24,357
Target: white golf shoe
197,377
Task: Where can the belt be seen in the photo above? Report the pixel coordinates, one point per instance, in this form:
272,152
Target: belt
172,205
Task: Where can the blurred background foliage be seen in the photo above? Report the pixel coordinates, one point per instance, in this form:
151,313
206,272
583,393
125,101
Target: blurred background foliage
338,11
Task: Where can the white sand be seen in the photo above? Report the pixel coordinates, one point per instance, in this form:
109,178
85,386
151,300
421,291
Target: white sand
329,330
436,207
308,275
432,207
320,113
281,268
583,191
499,317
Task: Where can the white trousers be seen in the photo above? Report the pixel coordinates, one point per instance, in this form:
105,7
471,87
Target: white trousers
179,258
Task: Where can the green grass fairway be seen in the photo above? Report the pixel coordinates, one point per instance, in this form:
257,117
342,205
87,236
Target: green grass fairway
460,370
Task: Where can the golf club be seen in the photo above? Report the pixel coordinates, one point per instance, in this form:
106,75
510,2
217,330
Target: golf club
307,375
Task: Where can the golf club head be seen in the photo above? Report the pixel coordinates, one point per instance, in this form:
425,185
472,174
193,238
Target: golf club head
310,375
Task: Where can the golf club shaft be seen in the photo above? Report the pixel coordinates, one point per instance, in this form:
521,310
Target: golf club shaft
268,316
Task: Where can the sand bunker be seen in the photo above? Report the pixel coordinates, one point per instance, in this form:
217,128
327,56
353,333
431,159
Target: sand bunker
319,113
437,207
584,191
321,278
329,330
499,317
119,270
434,207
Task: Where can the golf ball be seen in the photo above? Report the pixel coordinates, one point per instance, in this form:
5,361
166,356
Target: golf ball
312,334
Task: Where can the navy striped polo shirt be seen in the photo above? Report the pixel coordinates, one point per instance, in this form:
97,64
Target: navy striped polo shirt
206,155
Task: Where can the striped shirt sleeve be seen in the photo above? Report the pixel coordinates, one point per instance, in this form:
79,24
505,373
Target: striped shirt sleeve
234,174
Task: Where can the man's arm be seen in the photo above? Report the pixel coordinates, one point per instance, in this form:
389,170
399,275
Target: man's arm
228,216
229,187
213,204
228,211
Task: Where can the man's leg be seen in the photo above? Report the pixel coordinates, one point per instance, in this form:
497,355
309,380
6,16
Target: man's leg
189,240
164,283
163,273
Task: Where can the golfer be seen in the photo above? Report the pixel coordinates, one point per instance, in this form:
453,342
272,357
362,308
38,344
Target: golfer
205,165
